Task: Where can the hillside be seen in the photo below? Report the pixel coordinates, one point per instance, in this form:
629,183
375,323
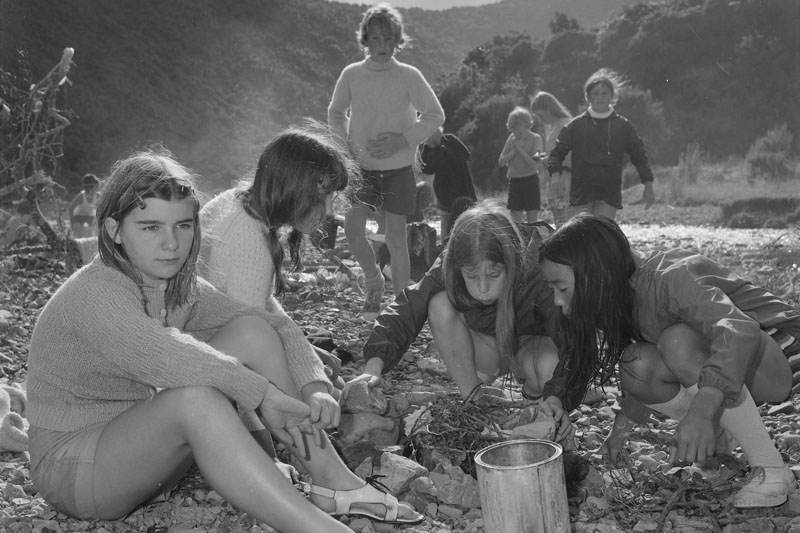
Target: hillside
213,80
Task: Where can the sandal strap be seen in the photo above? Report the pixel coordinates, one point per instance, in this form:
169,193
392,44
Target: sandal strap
366,494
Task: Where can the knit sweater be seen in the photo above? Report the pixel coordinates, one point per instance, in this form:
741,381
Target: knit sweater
234,257
102,344
372,97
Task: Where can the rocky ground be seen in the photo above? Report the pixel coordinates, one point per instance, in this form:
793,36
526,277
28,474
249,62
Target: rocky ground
646,495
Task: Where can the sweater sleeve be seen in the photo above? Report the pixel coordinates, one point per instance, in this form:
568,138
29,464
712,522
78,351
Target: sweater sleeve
399,324
339,107
304,364
430,112
116,328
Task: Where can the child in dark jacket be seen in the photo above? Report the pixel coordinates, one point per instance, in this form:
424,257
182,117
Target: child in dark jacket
490,313
599,139
447,158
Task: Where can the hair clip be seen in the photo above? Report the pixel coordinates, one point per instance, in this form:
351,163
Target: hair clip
139,201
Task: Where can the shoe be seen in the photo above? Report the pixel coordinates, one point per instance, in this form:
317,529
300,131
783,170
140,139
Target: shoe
348,502
372,300
766,487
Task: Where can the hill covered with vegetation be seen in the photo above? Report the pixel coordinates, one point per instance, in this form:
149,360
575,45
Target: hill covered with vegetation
214,80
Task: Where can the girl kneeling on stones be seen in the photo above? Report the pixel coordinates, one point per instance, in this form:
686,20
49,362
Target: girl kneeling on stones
490,312
694,342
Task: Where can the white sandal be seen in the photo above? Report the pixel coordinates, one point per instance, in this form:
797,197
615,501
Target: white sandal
365,495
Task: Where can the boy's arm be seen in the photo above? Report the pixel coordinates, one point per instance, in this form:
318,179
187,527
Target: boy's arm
509,149
338,118
430,112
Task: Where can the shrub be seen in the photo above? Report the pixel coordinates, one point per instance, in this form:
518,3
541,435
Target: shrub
769,156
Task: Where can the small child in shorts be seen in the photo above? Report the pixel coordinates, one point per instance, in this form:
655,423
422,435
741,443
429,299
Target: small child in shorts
521,154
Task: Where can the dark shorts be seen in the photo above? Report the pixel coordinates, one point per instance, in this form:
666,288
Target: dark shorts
393,191
524,194
62,468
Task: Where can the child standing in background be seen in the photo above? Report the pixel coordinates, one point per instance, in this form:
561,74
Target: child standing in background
446,157
555,116
521,154
82,210
384,109
693,341
599,139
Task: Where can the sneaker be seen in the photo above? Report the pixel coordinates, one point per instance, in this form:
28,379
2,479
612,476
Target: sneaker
766,487
372,301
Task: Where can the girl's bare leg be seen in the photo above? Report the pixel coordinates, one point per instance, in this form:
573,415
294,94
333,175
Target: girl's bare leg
151,445
603,209
454,342
532,215
397,243
516,216
355,227
537,358
258,346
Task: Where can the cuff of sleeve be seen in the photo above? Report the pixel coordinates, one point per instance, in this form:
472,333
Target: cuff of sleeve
709,379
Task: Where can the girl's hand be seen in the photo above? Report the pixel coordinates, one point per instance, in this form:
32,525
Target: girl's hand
552,406
648,196
285,417
694,438
556,187
616,440
371,380
386,144
324,407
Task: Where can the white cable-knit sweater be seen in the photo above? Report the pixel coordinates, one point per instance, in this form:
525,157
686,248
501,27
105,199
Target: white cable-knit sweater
235,259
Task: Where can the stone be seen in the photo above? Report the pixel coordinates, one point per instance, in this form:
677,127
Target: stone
399,472
365,399
368,426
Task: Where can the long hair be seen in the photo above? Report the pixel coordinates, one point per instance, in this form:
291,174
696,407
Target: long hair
387,19
486,232
147,174
543,100
601,321
296,173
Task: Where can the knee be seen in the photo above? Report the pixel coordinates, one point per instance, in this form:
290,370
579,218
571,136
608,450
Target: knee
441,313
637,369
198,403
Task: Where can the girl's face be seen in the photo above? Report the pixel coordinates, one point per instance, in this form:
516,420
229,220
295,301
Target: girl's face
600,97
546,116
157,239
562,279
380,43
485,281
312,221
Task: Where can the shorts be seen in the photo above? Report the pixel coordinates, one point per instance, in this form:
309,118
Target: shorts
62,468
393,191
524,194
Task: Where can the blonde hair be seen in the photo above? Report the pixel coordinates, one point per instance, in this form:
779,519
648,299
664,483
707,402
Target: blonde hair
545,101
387,18
520,115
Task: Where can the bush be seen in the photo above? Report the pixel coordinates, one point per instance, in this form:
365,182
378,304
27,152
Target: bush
769,156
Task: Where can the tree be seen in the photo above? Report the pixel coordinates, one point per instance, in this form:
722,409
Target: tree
563,22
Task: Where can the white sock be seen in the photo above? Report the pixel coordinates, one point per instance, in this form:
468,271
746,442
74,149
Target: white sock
744,423
678,406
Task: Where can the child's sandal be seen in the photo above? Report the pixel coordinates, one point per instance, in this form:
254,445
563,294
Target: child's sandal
366,495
